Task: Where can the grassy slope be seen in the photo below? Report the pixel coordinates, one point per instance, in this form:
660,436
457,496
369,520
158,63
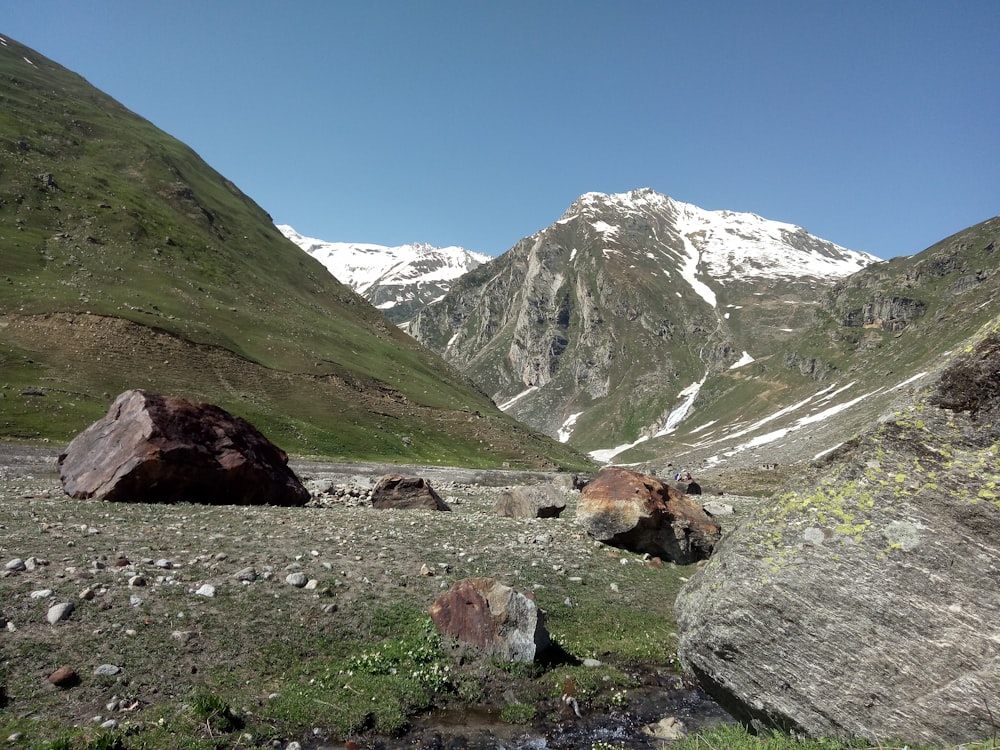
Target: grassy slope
102,213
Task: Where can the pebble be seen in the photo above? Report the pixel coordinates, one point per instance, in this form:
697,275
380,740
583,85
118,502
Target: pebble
247,574
59,612
298,580
108,670
206,590
41,594
16,565
135,601
136,581
164,563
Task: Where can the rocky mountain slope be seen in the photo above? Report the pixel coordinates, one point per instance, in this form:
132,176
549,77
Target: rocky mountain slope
605,328
127,262
397,280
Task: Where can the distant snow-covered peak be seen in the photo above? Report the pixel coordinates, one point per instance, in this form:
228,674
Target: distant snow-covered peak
363,266
728,244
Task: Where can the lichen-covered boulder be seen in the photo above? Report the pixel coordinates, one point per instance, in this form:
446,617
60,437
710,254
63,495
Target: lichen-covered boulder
638,512
867,604
163,449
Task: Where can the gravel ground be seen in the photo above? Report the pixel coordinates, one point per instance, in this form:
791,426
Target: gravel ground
164,593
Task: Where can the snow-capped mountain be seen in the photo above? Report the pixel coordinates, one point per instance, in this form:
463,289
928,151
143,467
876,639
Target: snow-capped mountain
398,280
603,328
727,244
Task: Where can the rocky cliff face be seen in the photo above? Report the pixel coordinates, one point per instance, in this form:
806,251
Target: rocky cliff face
864,604
592,329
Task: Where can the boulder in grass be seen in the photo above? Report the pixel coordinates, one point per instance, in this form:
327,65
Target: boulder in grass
493,618
164,449
639,513
395,491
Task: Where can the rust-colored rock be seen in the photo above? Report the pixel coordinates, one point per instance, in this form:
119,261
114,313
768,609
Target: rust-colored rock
493,618
64,677
406,493
638,512
164,449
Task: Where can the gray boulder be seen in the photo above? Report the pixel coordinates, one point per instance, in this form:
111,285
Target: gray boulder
867,604
534,501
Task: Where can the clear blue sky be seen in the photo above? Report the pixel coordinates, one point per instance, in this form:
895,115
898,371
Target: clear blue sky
872,123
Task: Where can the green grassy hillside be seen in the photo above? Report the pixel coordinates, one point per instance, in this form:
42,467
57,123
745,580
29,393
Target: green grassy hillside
126,261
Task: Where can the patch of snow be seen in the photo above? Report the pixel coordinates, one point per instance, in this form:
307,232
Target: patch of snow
572,255
678,413
744,360
703,427
567,427
507,404
828,450
908,381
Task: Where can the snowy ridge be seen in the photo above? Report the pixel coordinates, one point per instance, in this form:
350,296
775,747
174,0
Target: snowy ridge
364,267
729,244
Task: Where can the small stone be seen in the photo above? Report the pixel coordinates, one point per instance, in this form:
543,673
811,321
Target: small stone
592,663
59,612
64,677
668,728
206,590
136,581
614,587
183,636
426,571
135,601
87,594
109,724
164,563
247,574
298,580
41,594
108,670
312,584
16,565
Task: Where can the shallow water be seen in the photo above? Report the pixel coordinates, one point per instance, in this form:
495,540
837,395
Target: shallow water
482,728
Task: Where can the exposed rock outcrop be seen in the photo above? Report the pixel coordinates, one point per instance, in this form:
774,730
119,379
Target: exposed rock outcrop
493,618
162,449
867,604
638,512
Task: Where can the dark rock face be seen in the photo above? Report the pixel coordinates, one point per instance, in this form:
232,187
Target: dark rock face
493,618
539,501
406,493
867,604
164,449
638,512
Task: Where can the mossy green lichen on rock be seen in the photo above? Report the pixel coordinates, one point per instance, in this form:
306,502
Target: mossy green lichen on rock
864,604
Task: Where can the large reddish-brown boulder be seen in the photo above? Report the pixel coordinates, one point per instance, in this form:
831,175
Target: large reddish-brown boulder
164,449
406,493
493,618
638,512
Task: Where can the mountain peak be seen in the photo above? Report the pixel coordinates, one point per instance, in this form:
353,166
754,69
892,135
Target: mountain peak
726,244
